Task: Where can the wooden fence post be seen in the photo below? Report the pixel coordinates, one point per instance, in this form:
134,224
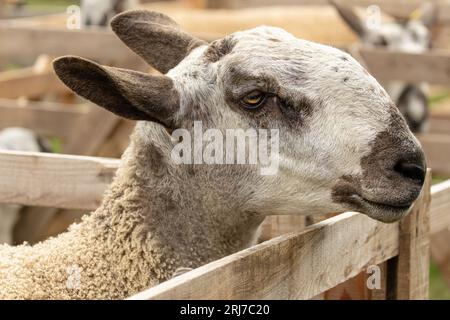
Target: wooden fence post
412,267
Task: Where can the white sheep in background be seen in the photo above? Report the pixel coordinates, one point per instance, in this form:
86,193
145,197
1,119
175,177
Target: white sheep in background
412,36
17,139
343,145
100,12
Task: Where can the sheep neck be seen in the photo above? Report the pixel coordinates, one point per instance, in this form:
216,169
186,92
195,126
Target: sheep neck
158,216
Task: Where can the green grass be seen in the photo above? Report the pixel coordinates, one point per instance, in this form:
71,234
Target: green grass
436,99
12,66
56,145
39,7
49,6
438,179
49,3
438,288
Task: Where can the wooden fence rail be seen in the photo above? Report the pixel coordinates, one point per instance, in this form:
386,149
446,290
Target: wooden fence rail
431,67
44,118
29,82
398,8
437,151
51,180
291,266
21,43
440,207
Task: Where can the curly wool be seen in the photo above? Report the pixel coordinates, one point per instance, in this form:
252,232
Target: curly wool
93,260
148,226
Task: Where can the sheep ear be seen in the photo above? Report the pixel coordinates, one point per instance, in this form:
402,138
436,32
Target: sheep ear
351,18
129,94
155,37
426,14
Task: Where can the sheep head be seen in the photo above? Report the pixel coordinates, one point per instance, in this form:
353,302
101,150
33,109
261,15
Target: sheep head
343,145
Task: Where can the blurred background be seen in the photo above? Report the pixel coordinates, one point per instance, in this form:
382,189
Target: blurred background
405,44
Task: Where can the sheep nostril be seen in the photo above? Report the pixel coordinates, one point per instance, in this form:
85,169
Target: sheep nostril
411,170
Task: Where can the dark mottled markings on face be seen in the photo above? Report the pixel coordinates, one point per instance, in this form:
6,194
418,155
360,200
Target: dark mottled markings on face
219,48
344,58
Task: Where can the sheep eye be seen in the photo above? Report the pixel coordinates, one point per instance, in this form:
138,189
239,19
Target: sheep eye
253,100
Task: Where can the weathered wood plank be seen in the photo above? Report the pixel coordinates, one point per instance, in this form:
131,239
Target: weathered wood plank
29,83
440,207
440,227
118,140
432,67
357,287
321,24
30,224
414,249
52,180
291,266
398,8
439,124
274,226
30,42
92,131
44,118
352,289
437,151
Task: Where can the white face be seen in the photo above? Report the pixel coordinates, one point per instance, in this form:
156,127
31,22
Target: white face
343,144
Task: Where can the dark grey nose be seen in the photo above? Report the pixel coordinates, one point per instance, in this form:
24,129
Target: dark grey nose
413,170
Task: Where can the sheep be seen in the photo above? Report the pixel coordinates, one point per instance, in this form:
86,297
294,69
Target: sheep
22,140
412,36
342,145
100,12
